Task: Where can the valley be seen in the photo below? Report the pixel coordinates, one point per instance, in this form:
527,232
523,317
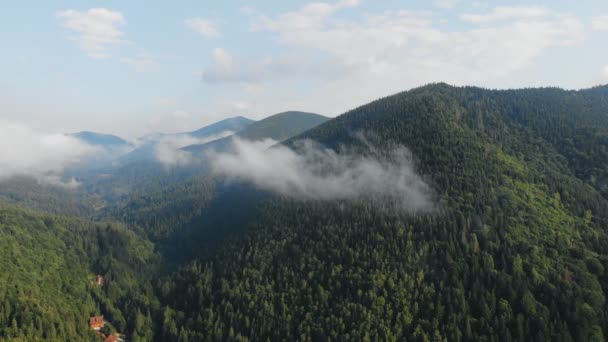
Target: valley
502,234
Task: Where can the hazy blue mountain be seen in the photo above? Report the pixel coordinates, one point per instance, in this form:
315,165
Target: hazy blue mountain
99,139
278,127
235,124
217,130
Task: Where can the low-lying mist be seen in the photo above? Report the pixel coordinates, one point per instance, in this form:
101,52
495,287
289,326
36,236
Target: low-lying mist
168,149
310,171
44,156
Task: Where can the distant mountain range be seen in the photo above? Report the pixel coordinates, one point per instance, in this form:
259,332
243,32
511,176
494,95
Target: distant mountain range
514,248
278,127
235,124
99,139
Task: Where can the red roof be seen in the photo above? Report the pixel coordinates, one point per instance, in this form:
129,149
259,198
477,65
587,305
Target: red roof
111,338
96,322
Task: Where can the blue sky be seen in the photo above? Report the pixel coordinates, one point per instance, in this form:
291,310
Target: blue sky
136,67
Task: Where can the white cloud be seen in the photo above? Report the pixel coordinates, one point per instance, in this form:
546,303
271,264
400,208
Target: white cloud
97,28
446,4
605,72
506,13
25,151
168,149
204,27
226,68
317,173
165,101
139,64
309,17
397,50
222,58
175,121
600,23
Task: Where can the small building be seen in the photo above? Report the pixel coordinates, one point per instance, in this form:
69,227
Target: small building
99,280
111,338
96,322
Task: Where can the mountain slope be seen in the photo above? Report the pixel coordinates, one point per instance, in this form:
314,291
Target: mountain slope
99,139
47,279
516,249
277,127
282,126
235,124
217,130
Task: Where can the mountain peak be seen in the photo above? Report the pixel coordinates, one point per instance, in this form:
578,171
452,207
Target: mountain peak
99,139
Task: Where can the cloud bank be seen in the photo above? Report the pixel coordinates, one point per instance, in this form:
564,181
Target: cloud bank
168,149
316,173
25,151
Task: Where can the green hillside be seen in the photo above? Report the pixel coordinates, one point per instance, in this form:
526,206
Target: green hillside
516,248
516,251
48,270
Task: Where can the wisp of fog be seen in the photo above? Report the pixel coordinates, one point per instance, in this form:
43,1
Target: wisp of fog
313,172
25,151
168,149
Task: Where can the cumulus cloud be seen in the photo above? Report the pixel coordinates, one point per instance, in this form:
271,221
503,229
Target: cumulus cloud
204,27
168,149
313,172
25,151
400,49
600,23
97,28
446,4
140,63
505,13
174,121
228,69
309,17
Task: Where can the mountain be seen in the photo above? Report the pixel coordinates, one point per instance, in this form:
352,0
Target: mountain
235,124
98,139
277,127
515,249
147,150
48,277
282,126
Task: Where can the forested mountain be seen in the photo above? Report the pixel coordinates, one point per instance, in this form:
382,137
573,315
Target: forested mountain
32,193
515,248
515,251
277,127
47,277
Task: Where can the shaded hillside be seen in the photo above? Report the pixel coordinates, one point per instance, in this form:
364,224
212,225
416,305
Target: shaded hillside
517,249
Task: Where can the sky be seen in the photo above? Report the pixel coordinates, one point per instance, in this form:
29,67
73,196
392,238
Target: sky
136,67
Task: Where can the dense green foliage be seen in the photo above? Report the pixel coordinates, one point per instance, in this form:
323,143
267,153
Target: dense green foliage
48,270
31,193
516,249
